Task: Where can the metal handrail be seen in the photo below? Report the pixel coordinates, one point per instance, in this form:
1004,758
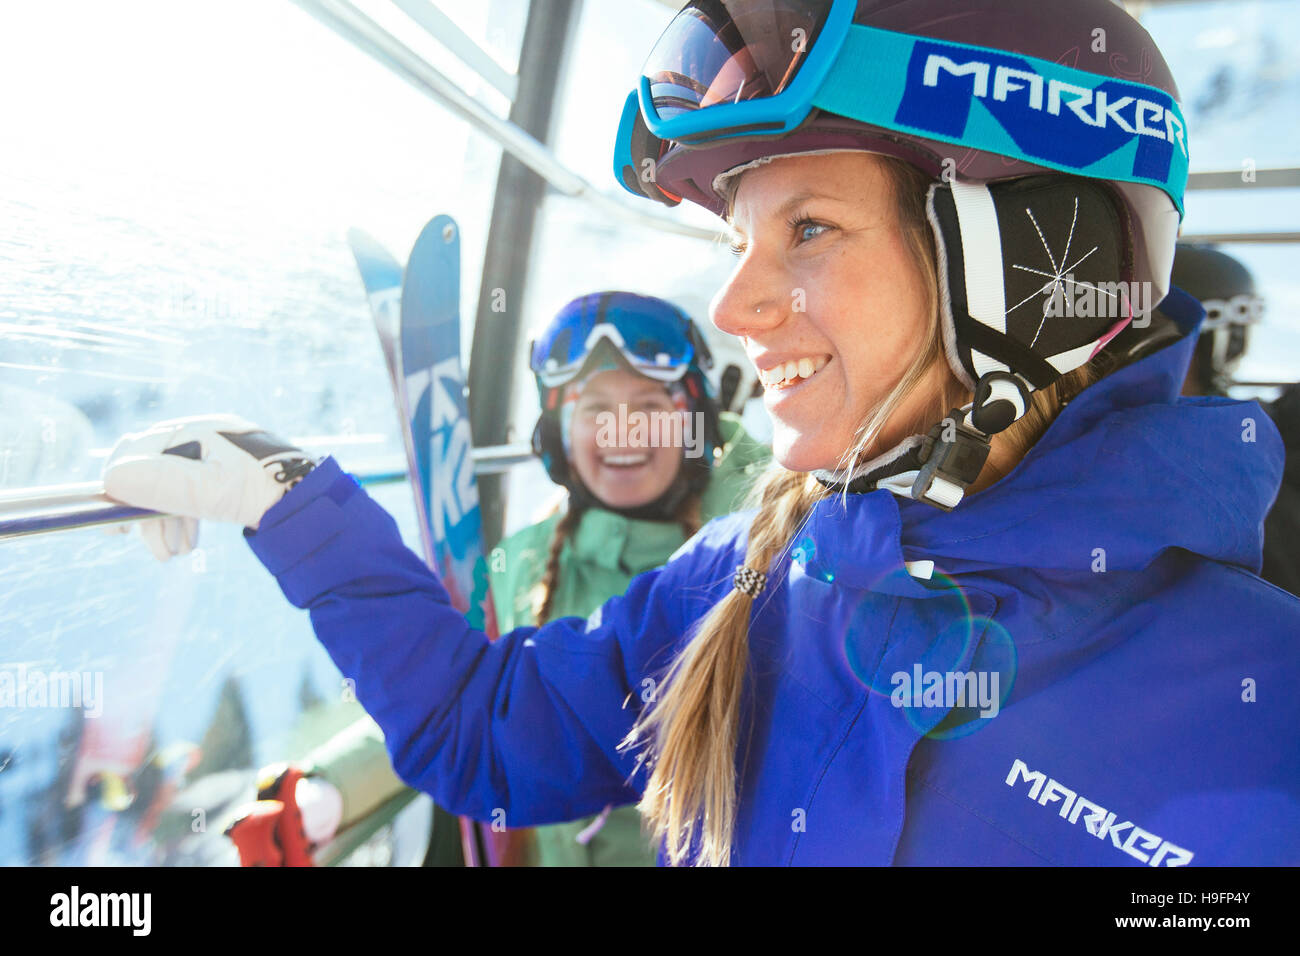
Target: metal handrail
443,29
69,507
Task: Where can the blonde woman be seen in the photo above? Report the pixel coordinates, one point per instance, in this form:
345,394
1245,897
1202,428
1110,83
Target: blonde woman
997,601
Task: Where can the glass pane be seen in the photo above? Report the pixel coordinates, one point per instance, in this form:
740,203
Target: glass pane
176,182
580,249
1238,83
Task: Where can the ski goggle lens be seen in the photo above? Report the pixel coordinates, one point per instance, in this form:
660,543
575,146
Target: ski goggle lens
731,51
654,342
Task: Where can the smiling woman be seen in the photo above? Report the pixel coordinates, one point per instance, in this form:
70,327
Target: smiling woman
876,290
836,298
968,489
634,494
624,470
808,289
851,275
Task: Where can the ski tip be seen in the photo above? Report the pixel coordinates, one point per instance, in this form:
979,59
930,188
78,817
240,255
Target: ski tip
379,270
364,245
441,230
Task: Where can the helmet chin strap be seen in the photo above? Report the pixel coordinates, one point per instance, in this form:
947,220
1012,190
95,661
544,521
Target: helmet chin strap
940,466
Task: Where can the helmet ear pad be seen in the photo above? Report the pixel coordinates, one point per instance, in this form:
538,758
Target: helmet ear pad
548,445
1032,275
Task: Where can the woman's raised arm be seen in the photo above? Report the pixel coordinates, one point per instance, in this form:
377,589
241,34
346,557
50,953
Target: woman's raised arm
527,726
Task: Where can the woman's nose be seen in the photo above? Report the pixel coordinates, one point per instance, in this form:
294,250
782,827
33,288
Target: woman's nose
750,301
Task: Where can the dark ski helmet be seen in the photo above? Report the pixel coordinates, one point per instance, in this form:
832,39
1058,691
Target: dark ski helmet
1050,128
646,335
1232,305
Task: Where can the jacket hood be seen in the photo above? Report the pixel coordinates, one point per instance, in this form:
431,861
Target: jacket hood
1128,469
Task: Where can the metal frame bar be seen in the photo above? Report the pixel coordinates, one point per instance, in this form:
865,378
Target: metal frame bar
31,511
516,206
1276,177
441,27
1242,237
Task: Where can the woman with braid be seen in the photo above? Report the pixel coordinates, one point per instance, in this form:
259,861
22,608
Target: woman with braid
995,602
632,498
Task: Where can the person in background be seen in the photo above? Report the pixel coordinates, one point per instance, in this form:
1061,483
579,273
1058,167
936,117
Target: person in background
1226,288
627,507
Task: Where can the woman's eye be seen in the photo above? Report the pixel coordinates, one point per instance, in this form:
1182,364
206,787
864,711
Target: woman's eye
807,230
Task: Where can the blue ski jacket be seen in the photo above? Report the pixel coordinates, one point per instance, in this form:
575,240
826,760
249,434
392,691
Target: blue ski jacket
1092,674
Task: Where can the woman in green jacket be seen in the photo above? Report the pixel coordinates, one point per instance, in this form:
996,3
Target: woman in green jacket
631,432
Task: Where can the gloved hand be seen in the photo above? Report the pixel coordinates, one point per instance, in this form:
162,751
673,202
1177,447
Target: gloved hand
216,467
294,814
166,537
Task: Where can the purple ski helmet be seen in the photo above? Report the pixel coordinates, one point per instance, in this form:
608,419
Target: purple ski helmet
1051,130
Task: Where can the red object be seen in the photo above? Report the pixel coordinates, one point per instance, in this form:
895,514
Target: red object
269,832
254,834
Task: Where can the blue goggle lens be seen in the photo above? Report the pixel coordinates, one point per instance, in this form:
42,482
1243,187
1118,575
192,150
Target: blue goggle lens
654,342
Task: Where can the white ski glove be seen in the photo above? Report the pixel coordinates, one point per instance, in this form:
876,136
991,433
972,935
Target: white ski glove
213,467
166,537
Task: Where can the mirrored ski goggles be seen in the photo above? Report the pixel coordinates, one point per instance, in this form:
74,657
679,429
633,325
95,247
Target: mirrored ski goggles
653,345
732,68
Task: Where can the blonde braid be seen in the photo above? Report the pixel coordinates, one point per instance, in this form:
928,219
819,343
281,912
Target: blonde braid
692,729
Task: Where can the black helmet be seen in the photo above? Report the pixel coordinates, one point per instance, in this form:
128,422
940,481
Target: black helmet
1227,290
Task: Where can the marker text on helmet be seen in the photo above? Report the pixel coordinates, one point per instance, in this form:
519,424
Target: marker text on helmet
1021,107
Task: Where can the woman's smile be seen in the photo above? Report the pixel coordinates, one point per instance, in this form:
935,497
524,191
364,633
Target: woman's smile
623,469
784,383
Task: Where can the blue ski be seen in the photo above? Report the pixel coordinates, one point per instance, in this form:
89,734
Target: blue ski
381,275
417,318
439,414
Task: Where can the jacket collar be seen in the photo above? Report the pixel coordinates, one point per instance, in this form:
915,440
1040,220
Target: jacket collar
1127,470
611,541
